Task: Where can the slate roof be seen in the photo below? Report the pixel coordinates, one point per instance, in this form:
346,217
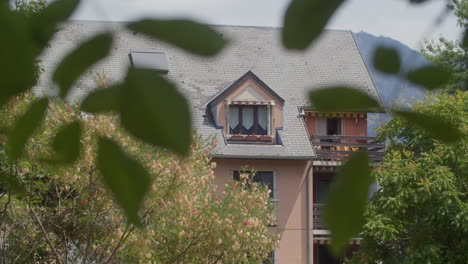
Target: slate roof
333,60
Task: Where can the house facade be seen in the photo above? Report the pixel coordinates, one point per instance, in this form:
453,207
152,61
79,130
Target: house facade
253,99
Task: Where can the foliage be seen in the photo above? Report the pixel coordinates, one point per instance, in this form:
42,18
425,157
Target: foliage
451,55
348,196
420,212
30,8
30,33
65,214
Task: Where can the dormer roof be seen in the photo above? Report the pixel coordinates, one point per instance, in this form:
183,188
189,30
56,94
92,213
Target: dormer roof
249,95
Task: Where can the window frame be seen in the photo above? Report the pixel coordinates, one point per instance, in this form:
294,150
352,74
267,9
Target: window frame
255,118
275,256
275,181
326,120
274,198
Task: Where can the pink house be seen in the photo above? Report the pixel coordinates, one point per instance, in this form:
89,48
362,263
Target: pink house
253,99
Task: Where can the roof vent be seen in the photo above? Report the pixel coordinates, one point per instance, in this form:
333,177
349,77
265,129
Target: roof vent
150,60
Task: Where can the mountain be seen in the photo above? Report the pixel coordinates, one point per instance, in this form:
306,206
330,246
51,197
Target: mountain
393,90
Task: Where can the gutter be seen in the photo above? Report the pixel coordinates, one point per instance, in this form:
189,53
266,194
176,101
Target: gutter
308,213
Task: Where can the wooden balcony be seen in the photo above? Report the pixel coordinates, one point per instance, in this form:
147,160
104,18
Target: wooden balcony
340,148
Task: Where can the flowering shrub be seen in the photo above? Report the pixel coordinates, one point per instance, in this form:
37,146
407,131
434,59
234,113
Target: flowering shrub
62,213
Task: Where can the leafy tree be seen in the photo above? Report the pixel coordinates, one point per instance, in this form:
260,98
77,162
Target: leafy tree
420,212
64,214
452,55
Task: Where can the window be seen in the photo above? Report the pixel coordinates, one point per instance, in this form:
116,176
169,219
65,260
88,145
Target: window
333,126
322,255
264,177
150,60
248,119
271,258
322,186
267,178
329,126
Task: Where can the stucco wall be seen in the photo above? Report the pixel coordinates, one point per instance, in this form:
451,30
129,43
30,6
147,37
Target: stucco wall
291,188
354,126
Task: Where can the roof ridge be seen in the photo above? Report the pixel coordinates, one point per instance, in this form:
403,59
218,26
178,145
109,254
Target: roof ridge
208,24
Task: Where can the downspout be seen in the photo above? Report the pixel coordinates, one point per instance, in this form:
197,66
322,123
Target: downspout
308,213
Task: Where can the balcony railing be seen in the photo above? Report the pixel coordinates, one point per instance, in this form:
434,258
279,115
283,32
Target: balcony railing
319,222
340,148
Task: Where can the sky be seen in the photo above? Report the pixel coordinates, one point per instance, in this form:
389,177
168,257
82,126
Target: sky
411,24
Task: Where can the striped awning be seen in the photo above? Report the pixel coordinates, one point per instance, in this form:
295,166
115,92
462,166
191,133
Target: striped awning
335,114
256,102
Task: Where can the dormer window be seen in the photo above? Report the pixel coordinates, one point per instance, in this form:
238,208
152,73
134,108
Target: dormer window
248,120
248,111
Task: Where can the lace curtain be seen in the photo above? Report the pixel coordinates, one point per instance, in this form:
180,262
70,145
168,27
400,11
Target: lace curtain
233,120
247,117
263,117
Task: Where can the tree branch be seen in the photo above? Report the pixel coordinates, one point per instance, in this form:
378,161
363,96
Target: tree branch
122,239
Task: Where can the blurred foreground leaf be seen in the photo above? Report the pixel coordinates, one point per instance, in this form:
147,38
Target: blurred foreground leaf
465,39
431,77
387,60
24,127
344,212
126,178
304,21
10,183
342,99
18,71
102,100
80,59
188,35
44,23
67,143
432,125
154,111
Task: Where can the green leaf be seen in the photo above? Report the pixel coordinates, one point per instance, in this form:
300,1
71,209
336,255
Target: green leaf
431,76
346,202
386,60
434,126
102,100
44,23
304,21
126,178
24,128
188,35
154,111
342,99
17,67
79,60
67,143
